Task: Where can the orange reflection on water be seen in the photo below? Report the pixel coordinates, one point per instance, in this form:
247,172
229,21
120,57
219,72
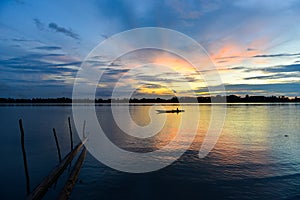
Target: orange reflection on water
243,141
249,145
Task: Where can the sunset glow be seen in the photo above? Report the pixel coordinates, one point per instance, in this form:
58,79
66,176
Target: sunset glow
254,46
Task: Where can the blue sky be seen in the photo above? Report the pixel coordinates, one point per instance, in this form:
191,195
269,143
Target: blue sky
254,44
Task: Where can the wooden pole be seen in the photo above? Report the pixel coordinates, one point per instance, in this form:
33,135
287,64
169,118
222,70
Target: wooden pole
66,191
24,157
71,134
42,188
83,129
57,145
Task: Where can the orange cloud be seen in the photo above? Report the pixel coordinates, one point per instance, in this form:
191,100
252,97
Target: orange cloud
155,90
174,63
233,52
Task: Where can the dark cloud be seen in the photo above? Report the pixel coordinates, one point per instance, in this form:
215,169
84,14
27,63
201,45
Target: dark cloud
289,89
23,40
118,9
111,71
97,57
20,2
168,14
67,32
283,68
4,86
167,78
238,68
48,48
20,40
115,64
96,63
16,45
152,86
276,55
39,24
39,63
228,57
34,56
104,92
222,61
271,69
42,89
104,36
275,76
251,49
278,88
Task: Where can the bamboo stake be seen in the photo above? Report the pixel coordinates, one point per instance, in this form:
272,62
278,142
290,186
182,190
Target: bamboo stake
24,157
71,134
66,191
83,129
42,188
57,145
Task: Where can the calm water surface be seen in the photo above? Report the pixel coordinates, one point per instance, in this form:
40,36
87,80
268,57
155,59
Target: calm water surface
257,155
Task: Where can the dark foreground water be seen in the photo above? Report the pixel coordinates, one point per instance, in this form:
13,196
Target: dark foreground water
257,155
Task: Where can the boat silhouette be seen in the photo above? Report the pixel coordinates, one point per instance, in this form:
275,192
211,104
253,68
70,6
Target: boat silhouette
170,111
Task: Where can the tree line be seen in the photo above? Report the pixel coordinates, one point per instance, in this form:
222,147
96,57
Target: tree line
214,99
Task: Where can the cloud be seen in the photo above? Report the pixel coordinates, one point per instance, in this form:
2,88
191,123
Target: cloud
39,63
20,2
152,85
265,5
67,32
119,72
276,55
227,57
39,75
104,36
152,90
274,77
289,89
177,14
48,48
284,68
251,49
39,24
24,40
184,10
167,78
270,69
194,9
239,68
248,28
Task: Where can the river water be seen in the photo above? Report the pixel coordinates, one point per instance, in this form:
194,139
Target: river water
256,156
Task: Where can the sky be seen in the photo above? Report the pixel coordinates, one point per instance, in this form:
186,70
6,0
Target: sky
255,45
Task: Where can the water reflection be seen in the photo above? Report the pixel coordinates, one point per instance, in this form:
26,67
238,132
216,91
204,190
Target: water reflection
251,160
252,140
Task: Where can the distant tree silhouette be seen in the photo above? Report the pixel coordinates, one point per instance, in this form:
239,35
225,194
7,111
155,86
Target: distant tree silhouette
217,98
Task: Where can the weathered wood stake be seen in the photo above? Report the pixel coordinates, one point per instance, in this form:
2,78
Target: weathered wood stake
83,129
24,157
57,145
42,188
66,191
71,134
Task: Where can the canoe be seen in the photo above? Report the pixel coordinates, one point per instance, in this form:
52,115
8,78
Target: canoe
169,111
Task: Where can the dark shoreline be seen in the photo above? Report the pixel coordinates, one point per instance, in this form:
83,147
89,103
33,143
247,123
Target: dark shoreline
212,99
147,104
